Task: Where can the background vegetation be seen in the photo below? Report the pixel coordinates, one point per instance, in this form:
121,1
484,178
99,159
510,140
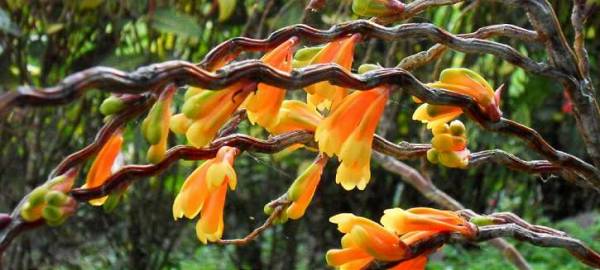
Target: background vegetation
43,41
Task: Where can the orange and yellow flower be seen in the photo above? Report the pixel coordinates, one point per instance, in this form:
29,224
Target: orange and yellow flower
303,189
262,105
101,168
204,192
365,241
424,219
324,95
462,81
348,133
208,111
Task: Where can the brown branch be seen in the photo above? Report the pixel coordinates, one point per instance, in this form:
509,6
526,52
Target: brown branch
279,206
184,72
411,62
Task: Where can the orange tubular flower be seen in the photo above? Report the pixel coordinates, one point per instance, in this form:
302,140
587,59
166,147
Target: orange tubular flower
101,168
209,110
304,187
363,242
424,219
324,95
348,133
204,191
295,115
462,81
262,105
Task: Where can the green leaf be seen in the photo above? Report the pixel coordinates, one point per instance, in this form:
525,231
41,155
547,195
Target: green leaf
169,20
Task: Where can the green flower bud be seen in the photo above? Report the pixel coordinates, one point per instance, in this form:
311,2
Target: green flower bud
457,128
268,209
193,107
152,126
481,220
377,8
52,213
112,201
36,196
305,56
364,68
56,198
433,156
111,105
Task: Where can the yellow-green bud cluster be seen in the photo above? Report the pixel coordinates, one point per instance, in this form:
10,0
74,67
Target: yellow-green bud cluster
50,202
449,145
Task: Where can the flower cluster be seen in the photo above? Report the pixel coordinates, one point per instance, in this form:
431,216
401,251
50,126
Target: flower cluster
365,241
50,201
449,145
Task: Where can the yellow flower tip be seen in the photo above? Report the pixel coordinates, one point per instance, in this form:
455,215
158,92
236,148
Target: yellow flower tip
210,224
351,177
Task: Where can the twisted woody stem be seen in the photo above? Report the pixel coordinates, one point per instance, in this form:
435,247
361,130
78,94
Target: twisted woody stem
253,70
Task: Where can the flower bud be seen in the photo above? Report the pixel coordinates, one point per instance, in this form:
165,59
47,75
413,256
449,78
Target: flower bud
377,8
111,105
457,128
152,125
36,196
52,213
364,68
305,56
179,123
55,198
433,156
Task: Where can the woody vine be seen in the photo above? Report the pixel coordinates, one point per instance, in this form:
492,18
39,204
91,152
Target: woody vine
337,122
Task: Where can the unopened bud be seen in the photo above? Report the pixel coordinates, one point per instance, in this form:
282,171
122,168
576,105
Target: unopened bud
457,128
305,56
111,105
364,68
377,8
56,198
